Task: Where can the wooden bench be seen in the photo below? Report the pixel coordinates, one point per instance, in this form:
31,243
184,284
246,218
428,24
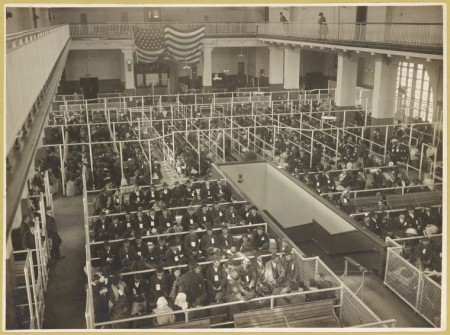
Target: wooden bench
310,314
195,324
396,201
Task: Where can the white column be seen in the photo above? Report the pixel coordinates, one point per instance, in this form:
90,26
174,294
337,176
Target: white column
383,98
276,62
347,72
129,69
291,68
207,65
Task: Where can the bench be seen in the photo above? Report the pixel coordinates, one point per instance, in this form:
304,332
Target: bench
418,199
310,314
195,324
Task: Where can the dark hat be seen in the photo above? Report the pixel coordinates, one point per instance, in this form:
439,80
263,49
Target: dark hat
115,280
164,184
208,226
288,251
260,228
159,269
253,207
224,226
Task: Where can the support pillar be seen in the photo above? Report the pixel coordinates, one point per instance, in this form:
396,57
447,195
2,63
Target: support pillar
128,63
347,72
291,68
207,65
276,65
383,99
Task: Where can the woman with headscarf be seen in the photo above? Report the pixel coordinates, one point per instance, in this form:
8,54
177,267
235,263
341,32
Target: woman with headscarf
162,307
180,304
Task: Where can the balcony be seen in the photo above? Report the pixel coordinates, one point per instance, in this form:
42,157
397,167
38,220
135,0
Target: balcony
402,36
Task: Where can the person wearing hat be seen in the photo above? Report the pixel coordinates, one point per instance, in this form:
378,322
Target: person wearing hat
225,240
178,195
127,251
208,240
217,213
191,244
254,217
261,239
140,221
152,195
413,219
223,190
166,221
100,299
174,256
119,303
116,229
188,218
423,254
159,284
208,192
141,248
158,253
52,233
166,194
204,216
248,274
100,201
274,271
191,193
109,255
101,227
245,245
231,215
290,266
192,283
136,198
216,278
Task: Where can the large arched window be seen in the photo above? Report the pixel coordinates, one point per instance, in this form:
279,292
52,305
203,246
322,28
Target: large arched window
414,94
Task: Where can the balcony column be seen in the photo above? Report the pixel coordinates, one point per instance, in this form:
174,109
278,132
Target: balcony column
207,65
347,72
128,63
291,68
276,64
383,96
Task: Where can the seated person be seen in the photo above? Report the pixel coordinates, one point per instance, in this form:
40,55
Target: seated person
162,307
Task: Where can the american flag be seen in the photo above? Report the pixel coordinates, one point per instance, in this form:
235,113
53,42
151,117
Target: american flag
182,46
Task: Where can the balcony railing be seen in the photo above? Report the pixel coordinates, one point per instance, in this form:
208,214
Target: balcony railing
429,35
408,34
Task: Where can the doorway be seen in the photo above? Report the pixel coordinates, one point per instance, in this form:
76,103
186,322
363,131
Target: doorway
83,18
361,21
89,85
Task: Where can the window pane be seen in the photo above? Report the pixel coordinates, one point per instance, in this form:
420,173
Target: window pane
420,66
410,73
409,83
403,81
404,72
425,85
418,83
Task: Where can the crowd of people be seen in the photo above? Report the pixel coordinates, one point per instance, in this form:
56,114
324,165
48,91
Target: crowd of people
225,277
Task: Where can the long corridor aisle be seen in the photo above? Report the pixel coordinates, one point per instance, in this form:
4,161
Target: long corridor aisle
65,298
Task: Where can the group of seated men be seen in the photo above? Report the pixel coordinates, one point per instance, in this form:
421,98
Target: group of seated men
409,223
228,276
181,194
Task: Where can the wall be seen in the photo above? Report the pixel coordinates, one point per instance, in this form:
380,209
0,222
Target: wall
104,64
27,71
273,191
417,14
167,14
258,58
22,19
282,194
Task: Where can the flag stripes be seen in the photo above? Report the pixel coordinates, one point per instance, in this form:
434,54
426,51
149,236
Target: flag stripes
182,46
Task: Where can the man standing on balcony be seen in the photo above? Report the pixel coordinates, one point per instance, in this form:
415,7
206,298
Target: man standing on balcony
323,28
283,18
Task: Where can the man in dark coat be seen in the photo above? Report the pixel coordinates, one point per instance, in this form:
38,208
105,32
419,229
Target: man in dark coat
192,283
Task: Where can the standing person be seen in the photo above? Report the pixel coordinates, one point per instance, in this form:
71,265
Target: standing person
283,18
323,28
